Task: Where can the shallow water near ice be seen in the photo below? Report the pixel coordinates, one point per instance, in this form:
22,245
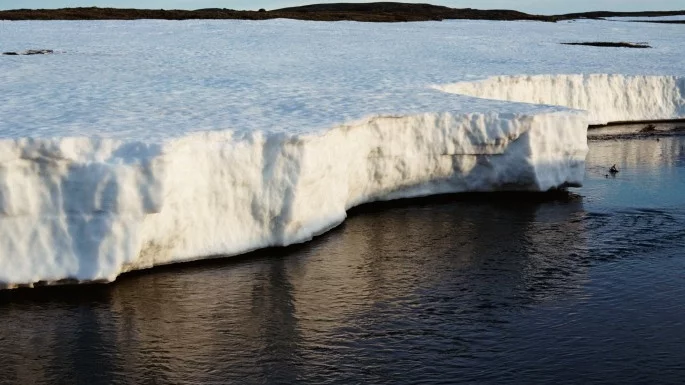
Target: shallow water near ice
578,291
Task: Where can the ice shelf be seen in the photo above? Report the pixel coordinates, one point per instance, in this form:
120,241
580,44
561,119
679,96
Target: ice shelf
607,98
145,143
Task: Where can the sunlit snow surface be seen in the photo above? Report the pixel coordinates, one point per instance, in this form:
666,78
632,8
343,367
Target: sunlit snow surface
648,18
141,143
140,79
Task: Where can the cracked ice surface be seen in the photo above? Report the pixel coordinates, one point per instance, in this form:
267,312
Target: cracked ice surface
141,143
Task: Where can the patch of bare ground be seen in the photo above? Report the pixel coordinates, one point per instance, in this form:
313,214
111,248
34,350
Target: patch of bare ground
621,44
30,52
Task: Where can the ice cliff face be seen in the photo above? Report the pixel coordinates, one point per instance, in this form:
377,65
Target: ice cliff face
89,210
607,98
110,163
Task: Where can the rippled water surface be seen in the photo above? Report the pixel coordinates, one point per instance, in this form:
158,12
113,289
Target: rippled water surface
582,290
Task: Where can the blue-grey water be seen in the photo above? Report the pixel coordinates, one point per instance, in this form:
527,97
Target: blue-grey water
583,290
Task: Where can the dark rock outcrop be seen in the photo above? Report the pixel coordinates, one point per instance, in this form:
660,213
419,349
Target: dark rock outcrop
31,52
622,44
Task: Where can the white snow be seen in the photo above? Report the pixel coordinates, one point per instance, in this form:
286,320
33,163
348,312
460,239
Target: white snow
648,18
607,98
150,142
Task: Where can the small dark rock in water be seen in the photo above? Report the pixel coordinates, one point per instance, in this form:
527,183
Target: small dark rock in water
31,52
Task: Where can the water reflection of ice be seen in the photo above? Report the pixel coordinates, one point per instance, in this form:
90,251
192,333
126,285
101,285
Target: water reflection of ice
636,130
651,172
644,152
402,289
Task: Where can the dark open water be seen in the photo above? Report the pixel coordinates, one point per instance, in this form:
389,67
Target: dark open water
587,290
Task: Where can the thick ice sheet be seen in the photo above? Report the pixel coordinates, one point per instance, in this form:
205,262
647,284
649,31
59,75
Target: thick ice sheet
606,98
646,18
150,142
156,79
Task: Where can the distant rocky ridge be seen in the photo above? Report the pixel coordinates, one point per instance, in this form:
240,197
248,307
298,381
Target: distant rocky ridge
368,12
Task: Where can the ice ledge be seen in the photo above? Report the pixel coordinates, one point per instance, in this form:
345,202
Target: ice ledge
82,209
607,98
76,210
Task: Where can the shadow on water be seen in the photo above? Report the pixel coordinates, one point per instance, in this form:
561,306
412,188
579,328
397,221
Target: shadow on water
513,288
75,293
298,313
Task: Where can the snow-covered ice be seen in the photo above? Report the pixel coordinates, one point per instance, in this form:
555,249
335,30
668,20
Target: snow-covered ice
141,143
648,18
606,98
